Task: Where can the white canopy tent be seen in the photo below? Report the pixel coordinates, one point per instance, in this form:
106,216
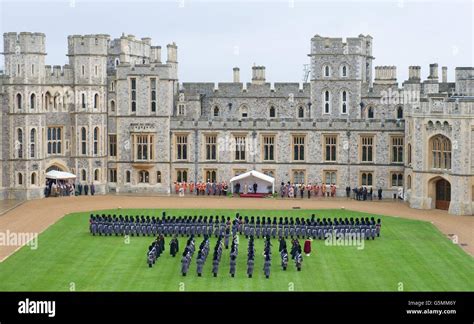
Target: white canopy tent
251,177
59,175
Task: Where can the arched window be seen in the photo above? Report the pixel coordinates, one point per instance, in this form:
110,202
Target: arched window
216,111
96,140
327,71
327,102
409,182
96,101
370,113
112,105
397,179
18,101
19,144
32,143
33,178
440,152
367,179
244,111
96,175
127,176
143,176
83,175
400,112
47,100
117,62
56,101
343,102
344,71
83,100
20,178
158,176
32,101
300,112
83,141
272,112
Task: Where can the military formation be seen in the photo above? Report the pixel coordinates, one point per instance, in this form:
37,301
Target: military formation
227,233
259,227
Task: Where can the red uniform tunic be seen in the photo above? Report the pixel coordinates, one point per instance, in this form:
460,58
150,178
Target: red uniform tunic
307,246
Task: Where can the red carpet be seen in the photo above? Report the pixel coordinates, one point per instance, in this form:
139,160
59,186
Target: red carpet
253,195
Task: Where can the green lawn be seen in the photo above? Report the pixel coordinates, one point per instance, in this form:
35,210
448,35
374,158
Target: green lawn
409,253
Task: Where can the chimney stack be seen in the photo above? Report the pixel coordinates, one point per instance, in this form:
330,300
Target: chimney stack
414,73
172,53
433,72
444,74
258,74
236,75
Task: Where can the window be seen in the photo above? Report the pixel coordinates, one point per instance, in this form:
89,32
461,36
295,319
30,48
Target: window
153,94
240,148
300,112
127,176
397,149
270,173
54,140
409,154
397,179
143,144
32,143
96,175
244,111
96,101
33,178
181,147
113,145
96,70
56,101
32,69
133,94
211,147
440,152
272,112
298,148
344,71
112,86
366,179
96,140
181,109
370,113
83,70
83,100
330,177
19,143
343,102
367,148
211,175
112,105
113,175
326,71
47,100
20,178
158,176
182,175
268,148
298,177
18,101
409,182
400,112
32,101
331,148
83,141
216,111
83,175
327,102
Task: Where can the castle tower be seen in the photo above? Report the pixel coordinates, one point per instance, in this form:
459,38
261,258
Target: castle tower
88,60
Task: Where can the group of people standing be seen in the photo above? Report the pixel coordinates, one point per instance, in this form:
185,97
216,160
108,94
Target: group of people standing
363,193
187,255
294,190
296,253
58,188
209,188
155,249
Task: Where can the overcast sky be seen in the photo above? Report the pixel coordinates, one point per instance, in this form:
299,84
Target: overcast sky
213,37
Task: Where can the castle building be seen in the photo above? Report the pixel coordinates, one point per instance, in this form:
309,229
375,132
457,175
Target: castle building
117,116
